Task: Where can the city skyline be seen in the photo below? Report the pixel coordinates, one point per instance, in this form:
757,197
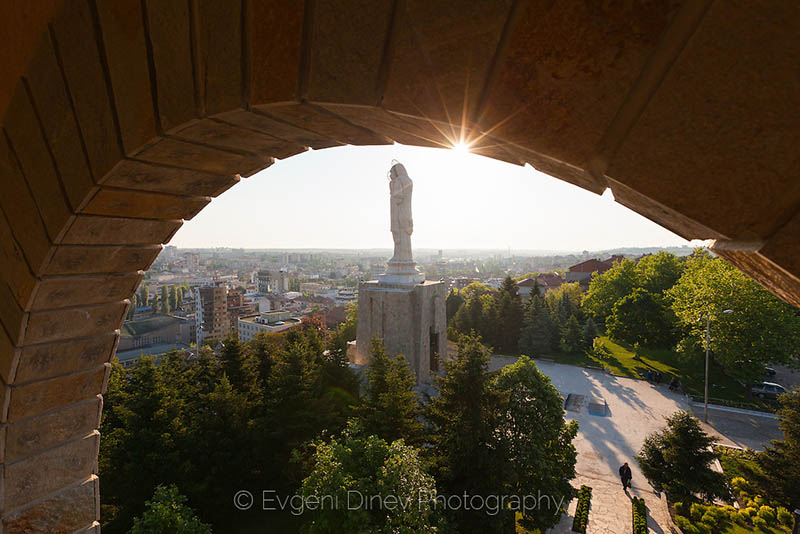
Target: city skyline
336,199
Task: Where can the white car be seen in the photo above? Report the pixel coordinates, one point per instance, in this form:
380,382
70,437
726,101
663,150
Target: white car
768,390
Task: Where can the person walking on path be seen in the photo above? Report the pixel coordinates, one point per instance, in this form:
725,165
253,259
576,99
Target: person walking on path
625,475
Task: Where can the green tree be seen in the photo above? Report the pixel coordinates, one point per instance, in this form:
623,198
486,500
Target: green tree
173,298
390,409
167,513
589,333
453,304
571,337
641,317
356,465
144,294
658,272
164,299
132,309
781,460
677,460
762,328
537,441
466,452
509,317
607,288
238,365
536,336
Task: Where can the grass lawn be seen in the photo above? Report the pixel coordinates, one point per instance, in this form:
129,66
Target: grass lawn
733,528
622,362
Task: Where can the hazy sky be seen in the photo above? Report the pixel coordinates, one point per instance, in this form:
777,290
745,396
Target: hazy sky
339,198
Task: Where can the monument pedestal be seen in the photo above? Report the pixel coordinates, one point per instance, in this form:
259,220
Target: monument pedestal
408,315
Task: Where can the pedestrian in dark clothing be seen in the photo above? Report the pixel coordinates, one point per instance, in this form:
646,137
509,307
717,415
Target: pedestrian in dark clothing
625,475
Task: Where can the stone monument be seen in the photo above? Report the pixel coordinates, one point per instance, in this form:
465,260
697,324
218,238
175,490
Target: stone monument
401,308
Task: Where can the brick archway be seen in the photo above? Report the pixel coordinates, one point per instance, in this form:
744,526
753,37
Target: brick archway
123,118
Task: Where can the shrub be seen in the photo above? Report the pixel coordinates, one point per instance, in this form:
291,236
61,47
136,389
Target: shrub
696,512
759,523
742,518
639,516
750,511
685,525
581,519
709,519
785,517
739,484
767,513
759,500
679,507
704,528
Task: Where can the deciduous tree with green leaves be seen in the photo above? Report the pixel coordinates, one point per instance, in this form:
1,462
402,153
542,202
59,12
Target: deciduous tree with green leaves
761,329
168,513
607,288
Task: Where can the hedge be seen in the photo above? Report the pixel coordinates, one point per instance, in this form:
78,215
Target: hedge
639,516
581,519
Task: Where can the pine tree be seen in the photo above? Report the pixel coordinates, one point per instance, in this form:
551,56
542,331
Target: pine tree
589,333
164,300
781,460
677,460
571,339
173,298
167,513
536,336
509,317
132,309
238,365
390,408
464,417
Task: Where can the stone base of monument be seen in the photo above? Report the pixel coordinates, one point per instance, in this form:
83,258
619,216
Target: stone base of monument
401,273
408,316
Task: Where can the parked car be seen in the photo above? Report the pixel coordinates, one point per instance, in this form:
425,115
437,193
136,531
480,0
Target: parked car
767,390
769,371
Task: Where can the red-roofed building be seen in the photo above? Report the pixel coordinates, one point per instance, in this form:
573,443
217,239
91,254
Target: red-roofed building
582,272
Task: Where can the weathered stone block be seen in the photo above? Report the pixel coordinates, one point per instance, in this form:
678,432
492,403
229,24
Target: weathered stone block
50,97
98,230
15,270
101,259
201,158
276,35
126,55
220,43
30,436
20,210
9,356
12,317
68,323
50,360
132,174
116,203
37,476
171,37
262,123
40,397
63,513
22,127
222,135
79,290
76,41
323,122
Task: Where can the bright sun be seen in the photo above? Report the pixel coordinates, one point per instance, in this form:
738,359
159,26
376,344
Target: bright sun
461,148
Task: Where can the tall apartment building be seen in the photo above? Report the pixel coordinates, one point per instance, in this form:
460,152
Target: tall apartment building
262,279
279,281
211,312
238,306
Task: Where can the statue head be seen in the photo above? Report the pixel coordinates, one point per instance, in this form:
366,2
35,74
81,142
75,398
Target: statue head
397,170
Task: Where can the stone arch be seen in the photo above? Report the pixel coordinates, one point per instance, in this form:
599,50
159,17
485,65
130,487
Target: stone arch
123,118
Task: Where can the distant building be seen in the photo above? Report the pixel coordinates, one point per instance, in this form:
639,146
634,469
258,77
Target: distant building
237,306
278,282
154,335
549,281
211,312
582,272
192,261
274,321
262,282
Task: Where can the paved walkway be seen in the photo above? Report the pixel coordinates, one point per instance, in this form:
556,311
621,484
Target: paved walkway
635,409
